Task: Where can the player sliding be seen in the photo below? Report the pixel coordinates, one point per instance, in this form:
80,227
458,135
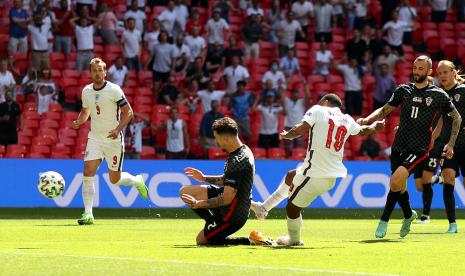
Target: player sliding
328,130
421,103
452,83
225,203
104,102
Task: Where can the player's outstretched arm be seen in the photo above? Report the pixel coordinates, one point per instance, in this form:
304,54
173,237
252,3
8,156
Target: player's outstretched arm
82,117
200,177
456,122
297,131
374,127
378,114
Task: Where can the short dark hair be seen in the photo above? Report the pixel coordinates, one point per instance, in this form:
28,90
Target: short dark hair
225,125
333,100
241,83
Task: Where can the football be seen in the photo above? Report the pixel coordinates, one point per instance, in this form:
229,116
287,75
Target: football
51,184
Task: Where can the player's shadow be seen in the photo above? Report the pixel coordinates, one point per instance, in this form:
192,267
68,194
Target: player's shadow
428,233
54,225
378,241
288,247
184,246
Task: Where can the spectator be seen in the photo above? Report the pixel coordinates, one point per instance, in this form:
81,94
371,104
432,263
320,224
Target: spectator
118,72
215,28
268,136
207,96
63,30
168,18
389,58
46,91
295,109
367,36
198,73
275,16
231,51
252,33
214,61
323,59
182,14
84,7
163,59
195,22
353,74
234,73
224,6
131,42
7,82
370,147
182,55
107,26
190,97
377,44
177,140
13,68
28,83
395,30
268,88
289,64
169,93
197,45
361,9
151,38
40,33
140,4
275,75
439,10
138,16
302,10
240,103
386,11
408,15
10,118
338,12
323,14
385,85
133,136
287,33
85,41
356,47
254,9
19,20
48,16
207,140
460,8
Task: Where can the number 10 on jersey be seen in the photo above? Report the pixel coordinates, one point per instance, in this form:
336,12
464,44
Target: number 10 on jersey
341,133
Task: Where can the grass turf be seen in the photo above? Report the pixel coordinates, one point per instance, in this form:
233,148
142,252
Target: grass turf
150,245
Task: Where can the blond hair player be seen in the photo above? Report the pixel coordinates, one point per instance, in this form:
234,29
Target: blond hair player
104,102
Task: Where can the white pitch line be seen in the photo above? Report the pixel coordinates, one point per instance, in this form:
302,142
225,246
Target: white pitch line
259,267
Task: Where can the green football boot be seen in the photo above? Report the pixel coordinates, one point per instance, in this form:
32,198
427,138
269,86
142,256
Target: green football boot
141,188
382,229
86,219
452,228
405,229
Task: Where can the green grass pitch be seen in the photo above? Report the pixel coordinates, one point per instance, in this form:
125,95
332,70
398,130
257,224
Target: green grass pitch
155,242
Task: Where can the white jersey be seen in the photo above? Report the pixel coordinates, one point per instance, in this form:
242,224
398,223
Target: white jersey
330,129
104,105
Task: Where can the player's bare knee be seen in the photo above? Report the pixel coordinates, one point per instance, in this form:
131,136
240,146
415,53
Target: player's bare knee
449,179
201,240
292,211
114,179
289,177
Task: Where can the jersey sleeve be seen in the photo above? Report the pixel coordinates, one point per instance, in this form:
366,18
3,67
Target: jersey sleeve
311,115
354,128
396,97
119,97
242,168
446,104
85,104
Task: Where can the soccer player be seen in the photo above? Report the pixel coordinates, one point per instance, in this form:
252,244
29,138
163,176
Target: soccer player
328,130
225,203
454,86
421,103
104,102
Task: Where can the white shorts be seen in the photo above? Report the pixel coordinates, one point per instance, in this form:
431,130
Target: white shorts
110,150
305,189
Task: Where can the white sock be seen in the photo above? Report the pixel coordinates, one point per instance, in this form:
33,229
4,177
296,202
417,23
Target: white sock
293,228
128,179
277,196
88,191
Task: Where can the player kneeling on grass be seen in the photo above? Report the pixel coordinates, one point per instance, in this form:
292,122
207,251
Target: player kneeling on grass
225,203
328,130
104,102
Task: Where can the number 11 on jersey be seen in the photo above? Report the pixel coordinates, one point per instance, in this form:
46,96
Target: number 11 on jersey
414,114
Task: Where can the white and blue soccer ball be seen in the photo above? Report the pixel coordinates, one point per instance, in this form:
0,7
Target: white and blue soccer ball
51,184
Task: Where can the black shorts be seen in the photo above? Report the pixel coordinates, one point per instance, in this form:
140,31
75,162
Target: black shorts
456,162
410,160
217,226
160,76
430,164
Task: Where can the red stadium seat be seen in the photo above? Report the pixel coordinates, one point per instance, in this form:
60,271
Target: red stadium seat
24,139
148,153
14,155
47,123
16,148
67,132
53,107
61,148
40,149
51,115
42,141
34,124
60,155
31,115
30,106
36,155
276,153
2,149
298,154
67,141
216,153
259,153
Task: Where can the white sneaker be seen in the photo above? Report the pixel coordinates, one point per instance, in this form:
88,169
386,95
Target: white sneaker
424,219
259,210
285,240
